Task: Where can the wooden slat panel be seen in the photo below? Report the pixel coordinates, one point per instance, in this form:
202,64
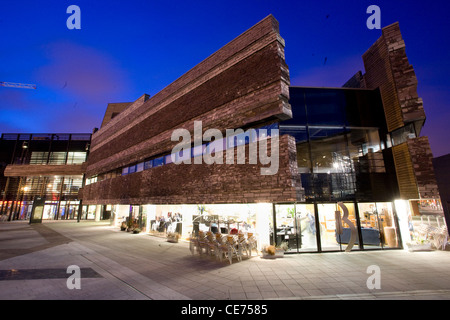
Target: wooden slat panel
405,172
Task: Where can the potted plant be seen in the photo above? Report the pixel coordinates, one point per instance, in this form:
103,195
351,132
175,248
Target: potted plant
129,226
268,252
173,237
137,230
272,252
123,226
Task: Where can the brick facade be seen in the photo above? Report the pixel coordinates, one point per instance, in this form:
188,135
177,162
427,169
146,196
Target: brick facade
245,83
422,161
203,183
388,68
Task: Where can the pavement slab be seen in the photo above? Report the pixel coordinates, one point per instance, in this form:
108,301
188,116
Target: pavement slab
117,265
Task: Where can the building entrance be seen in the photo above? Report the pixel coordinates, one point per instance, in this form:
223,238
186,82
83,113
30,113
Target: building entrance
295,227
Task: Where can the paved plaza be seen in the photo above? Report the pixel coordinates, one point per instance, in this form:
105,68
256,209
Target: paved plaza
117,265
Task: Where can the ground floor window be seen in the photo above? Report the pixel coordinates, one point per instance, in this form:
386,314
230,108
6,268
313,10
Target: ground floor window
297,227
336,233
422,223
335,226
378,221
188,220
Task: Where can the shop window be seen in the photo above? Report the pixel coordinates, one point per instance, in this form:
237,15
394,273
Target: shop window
91,212
378,226
335,236
295,227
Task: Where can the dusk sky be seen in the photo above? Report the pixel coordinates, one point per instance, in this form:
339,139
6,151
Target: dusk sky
127,48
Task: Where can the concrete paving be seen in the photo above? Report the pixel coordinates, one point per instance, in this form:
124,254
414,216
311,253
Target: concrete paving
143,267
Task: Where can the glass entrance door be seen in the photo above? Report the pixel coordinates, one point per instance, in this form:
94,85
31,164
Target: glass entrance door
378,225
295,228
335,230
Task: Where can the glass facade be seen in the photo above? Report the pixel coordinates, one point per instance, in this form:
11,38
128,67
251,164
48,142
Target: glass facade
298,227
344,163
341,139
60,191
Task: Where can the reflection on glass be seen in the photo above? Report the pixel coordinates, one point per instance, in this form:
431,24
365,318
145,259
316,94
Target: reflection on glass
401,135
331,239
307,225
295,227
340,134
378,226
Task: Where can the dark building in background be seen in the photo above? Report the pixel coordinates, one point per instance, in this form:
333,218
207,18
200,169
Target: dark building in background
442,168
45,165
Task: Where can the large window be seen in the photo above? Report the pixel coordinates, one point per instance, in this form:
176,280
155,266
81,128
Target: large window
38,157
295,227
337,233
340,136
188,220
57,158
76,157
401,135
378,226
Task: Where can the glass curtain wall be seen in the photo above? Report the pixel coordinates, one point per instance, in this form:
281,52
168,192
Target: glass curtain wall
340,135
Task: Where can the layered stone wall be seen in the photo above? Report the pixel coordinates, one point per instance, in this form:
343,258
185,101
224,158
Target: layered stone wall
203,183
388,68
245,82
422,161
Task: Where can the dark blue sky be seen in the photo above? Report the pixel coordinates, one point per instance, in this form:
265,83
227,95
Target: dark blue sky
127,48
